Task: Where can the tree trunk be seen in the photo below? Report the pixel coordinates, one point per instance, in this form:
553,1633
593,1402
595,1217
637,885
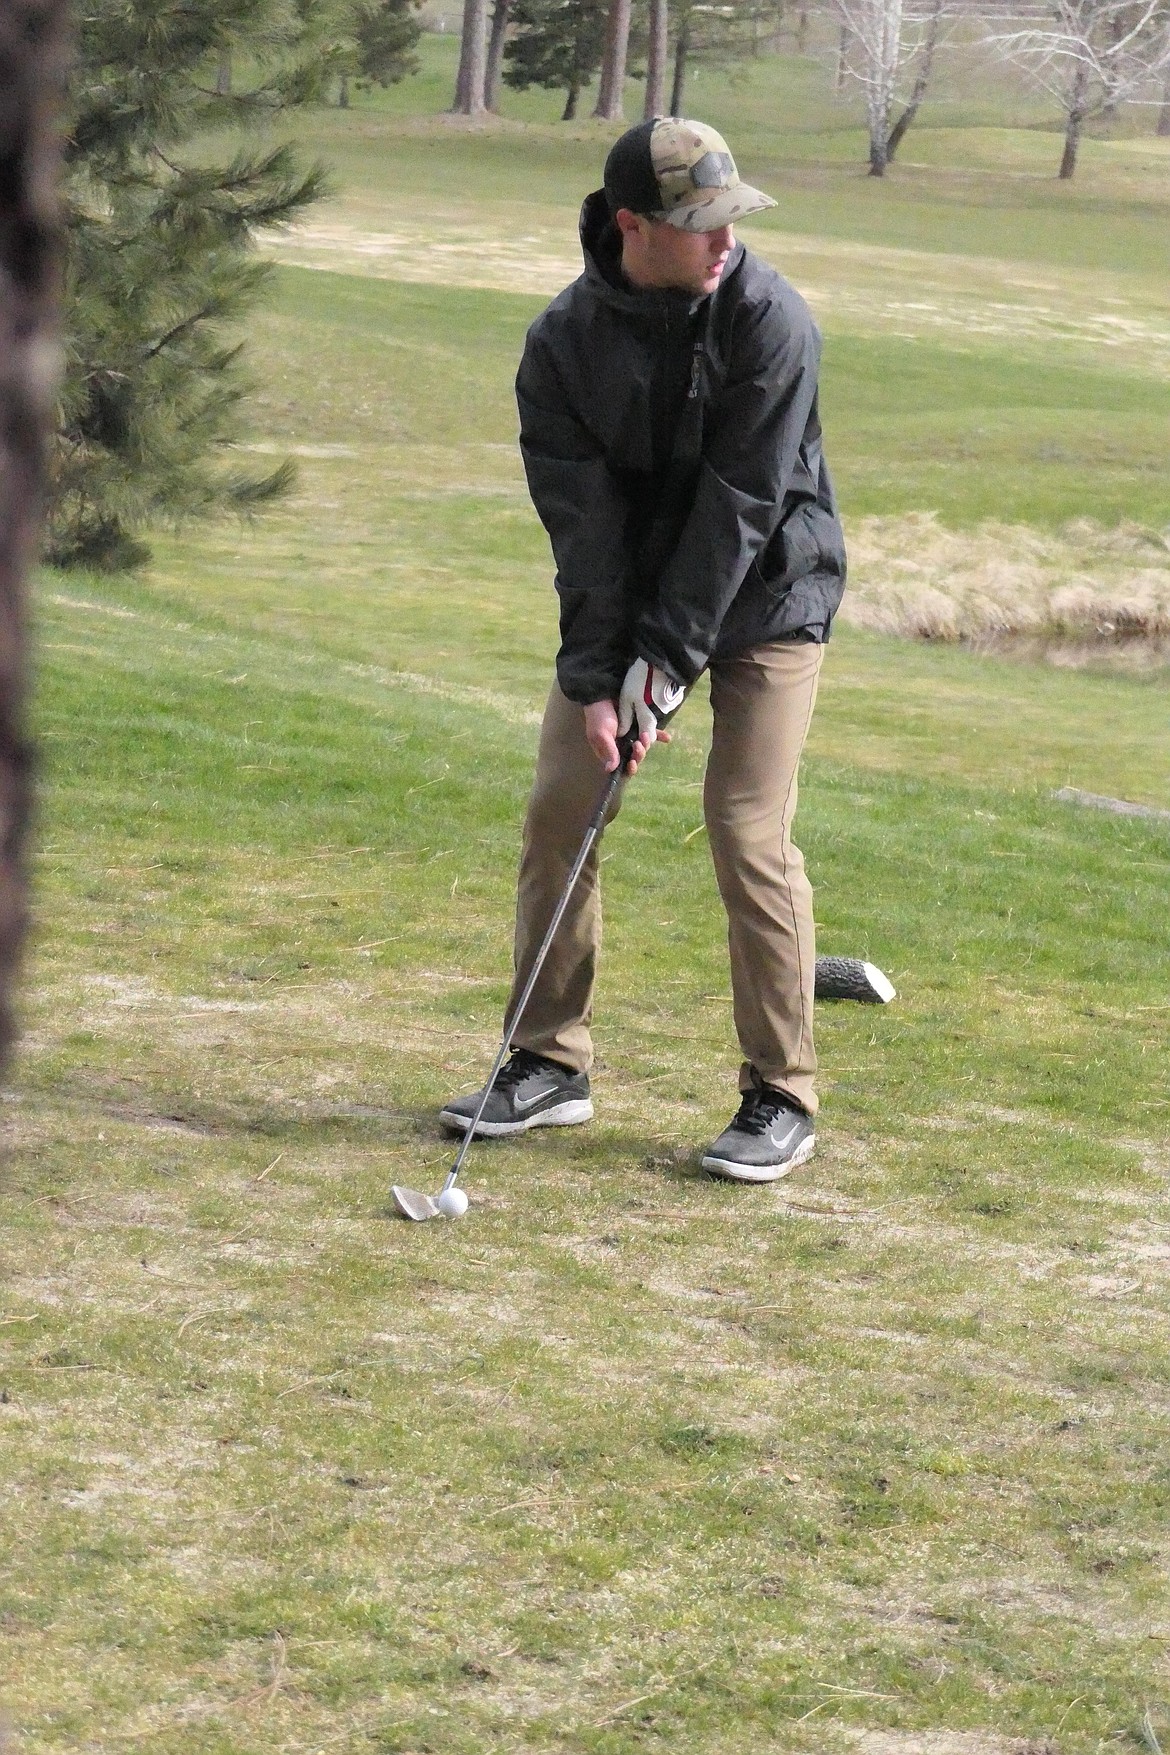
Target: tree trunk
495,54
842,58
802,28
34,52
613,64
1118,27
1076,120
223,74
922,80
569,113
656,61
459,104
343,92
1072,140
880,51
1164,112
469,86
681,49
879,132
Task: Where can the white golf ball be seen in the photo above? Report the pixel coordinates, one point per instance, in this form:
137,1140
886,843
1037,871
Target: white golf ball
452,1203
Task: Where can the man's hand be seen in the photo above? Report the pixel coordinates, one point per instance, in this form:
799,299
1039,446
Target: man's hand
601,728
648,699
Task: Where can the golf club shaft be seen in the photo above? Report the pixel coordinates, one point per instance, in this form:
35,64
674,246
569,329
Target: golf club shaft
596,824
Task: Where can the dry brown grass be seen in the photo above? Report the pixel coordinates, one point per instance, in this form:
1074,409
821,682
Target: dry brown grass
1082,586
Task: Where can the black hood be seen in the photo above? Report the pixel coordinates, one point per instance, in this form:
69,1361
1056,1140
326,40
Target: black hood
602,249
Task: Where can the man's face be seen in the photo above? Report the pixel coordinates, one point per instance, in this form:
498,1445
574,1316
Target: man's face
655,254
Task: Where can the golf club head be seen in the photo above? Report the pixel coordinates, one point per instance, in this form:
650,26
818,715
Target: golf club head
413,1205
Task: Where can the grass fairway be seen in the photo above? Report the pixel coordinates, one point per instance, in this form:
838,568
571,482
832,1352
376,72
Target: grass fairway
876,1460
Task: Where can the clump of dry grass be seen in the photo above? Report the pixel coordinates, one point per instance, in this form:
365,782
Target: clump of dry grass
913,577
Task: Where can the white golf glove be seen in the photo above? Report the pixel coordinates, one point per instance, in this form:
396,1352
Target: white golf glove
650,697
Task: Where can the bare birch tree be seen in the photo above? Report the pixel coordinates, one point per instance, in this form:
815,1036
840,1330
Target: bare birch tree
887,47
1091,56
922,70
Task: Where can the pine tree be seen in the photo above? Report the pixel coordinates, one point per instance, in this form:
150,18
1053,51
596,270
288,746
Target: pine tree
386,33
556,44
364,42
160,266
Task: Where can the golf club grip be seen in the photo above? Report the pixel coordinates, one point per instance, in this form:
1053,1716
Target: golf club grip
625,749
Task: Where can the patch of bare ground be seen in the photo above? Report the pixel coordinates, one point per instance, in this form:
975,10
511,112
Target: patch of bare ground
946,1743
866,286
1018,1593
535,261
1071,596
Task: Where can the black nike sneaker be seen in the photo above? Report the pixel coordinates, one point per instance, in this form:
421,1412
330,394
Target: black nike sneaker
529,1091
769,1137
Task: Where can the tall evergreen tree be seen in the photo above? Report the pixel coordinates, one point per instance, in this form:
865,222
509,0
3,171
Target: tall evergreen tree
611,86
501,15
556,44
160,268
471,79
658,28
364,42
386,32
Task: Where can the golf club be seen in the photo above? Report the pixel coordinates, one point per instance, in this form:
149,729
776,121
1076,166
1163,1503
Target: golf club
451,1201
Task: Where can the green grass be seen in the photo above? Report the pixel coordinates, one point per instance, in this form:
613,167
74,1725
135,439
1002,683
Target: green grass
909,423
980,179
883,1448
626,1461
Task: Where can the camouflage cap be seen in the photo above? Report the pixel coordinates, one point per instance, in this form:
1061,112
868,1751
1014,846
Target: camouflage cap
680,172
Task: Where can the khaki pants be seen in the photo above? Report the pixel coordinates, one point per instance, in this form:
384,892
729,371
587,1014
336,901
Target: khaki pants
761,705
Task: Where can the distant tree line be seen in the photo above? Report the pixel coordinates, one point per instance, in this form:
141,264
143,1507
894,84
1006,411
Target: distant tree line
563,45
168,182
1090,56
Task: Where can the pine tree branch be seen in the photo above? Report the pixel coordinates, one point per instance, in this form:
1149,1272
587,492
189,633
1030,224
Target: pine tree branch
206,314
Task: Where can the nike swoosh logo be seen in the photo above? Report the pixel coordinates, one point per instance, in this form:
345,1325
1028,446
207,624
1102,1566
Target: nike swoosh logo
523,1103
795,1128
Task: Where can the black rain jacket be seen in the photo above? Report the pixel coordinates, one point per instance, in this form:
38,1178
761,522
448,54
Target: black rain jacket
673,453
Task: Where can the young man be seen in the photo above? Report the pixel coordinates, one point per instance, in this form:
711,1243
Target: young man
668,424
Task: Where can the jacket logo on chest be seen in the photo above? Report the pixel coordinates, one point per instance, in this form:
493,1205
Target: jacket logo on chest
696,372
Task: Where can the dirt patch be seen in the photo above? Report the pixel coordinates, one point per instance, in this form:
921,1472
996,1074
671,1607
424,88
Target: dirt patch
177,1124
867,287
453,255
947,1743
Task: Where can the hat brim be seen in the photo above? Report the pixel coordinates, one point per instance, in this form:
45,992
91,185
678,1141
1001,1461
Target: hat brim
722,207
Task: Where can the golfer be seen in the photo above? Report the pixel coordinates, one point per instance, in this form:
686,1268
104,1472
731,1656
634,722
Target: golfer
669,430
